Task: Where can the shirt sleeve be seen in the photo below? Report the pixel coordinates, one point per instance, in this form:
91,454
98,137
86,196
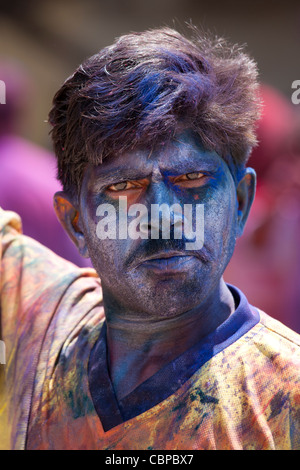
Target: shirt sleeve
33,281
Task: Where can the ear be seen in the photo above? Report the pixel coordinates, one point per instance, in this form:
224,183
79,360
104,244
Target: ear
245,195
70,219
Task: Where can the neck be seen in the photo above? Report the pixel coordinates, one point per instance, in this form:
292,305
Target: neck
144,346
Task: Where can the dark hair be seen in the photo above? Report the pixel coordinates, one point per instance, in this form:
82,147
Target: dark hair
145,88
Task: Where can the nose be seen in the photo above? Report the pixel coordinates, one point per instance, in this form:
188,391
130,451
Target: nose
160,192
166,216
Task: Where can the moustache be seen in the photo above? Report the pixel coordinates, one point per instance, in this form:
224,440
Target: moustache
160,248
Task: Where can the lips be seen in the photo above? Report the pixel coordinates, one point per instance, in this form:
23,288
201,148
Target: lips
168,262
166,255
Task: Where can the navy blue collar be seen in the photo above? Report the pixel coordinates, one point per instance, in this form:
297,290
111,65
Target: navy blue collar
171,377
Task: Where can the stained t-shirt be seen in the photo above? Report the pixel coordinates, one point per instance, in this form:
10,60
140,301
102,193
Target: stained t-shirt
238,388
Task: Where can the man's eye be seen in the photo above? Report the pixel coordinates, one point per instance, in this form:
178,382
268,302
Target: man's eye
122,186
127,185
191,180
118,186
194,176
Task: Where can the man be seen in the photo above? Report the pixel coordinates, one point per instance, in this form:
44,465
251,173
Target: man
163,354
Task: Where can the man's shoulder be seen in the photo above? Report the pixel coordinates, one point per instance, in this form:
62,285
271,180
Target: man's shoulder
277,343
278,330
10,218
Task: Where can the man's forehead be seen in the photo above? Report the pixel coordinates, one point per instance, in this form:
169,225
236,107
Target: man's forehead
182,153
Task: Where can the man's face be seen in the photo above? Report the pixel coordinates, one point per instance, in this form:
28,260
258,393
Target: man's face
160,277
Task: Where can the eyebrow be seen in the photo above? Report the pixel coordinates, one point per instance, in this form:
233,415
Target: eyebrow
119,175
109,176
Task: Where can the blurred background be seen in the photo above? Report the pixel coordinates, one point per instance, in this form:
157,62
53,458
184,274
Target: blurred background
42,42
